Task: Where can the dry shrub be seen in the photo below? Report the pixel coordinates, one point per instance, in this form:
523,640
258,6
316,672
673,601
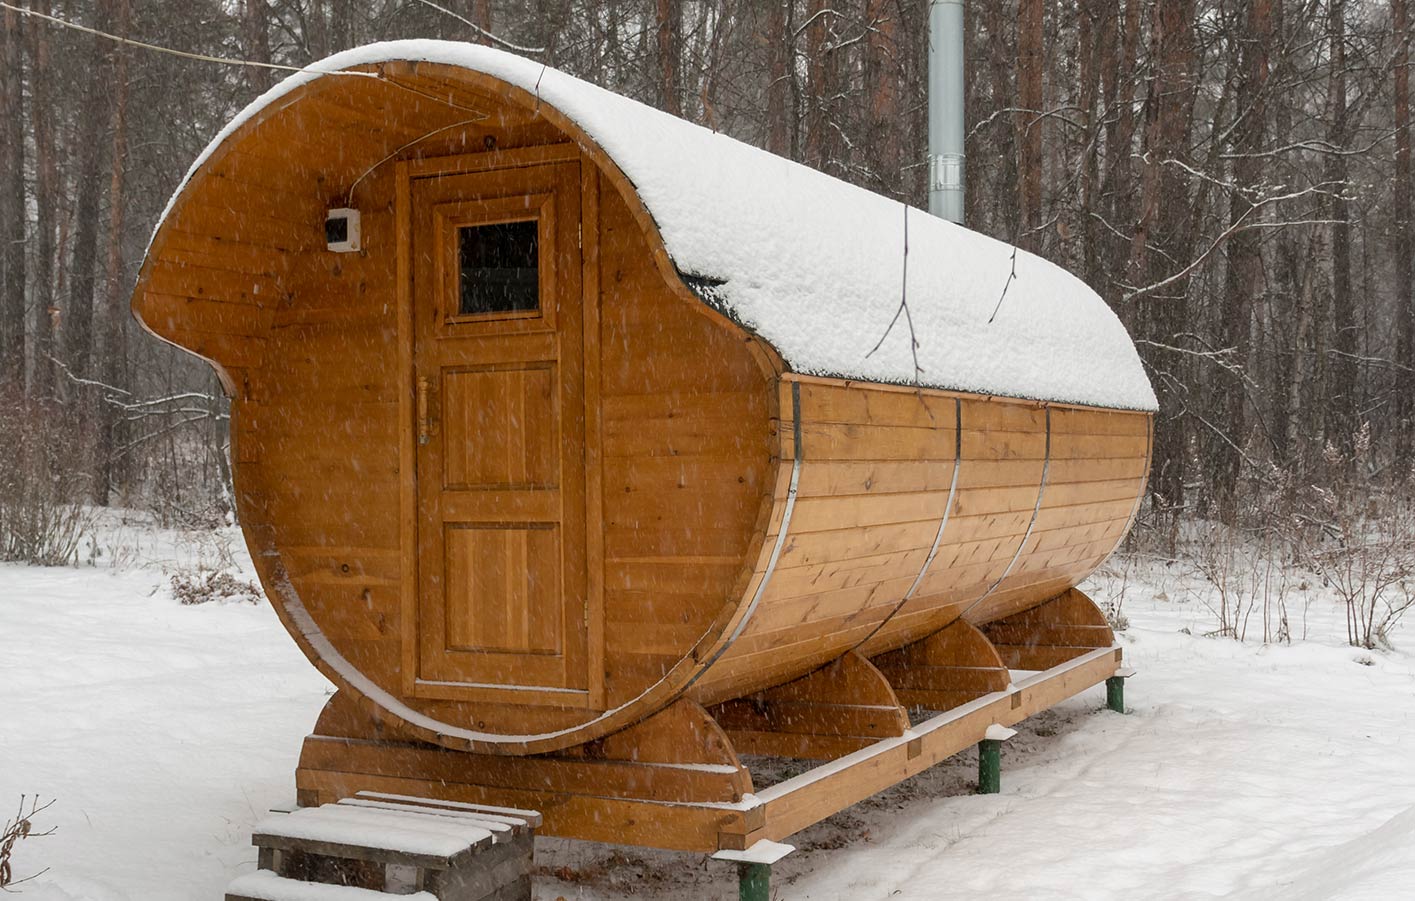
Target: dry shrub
43,518
1366,550
1250,574
16,830
202,586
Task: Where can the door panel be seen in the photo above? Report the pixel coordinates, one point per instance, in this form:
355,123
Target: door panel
502,584
498,367
500,428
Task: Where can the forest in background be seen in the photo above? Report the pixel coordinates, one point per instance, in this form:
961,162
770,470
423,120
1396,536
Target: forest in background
1233,176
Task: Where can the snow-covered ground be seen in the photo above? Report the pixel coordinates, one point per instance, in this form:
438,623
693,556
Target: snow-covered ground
1255,771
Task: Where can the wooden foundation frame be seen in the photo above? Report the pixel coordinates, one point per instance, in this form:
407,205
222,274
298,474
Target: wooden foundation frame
674,780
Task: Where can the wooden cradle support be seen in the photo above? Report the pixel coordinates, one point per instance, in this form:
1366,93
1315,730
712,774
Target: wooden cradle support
949,668
834,711
645,785
674,780
1063,628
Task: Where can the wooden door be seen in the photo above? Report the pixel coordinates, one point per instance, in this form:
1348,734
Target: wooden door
500,435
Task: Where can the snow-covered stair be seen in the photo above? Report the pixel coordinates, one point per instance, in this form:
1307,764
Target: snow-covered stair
376,845
263,885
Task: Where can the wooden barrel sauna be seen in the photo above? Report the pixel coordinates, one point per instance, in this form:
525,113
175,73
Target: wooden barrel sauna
608,410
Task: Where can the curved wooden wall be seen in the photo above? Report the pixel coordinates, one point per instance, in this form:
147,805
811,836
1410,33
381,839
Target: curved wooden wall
916,507
910,508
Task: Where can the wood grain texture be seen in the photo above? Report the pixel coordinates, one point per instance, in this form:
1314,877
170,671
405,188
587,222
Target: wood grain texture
836,710
639,426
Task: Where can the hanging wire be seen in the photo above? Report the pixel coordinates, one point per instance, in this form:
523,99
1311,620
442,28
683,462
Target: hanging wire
349,195
201,57
482,31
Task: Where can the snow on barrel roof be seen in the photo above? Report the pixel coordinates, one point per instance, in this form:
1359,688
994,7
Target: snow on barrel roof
816,266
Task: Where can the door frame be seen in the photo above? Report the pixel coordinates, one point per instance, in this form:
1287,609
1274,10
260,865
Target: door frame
405,172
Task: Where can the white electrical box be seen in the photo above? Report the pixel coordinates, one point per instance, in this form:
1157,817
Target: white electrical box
341,231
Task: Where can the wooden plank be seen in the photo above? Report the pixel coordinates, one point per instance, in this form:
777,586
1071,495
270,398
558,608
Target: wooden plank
167,313
950,667
617,821
215,283
562,775
841,403
793,805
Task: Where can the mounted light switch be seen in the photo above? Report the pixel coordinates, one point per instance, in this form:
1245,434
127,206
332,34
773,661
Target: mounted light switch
341,231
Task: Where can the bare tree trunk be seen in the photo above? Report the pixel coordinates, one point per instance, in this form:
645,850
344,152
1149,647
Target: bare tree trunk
46,196
1244,275
1097,38
1030,70
668,21
1301,389
316,31
1004,146
778,133
1286,287
1161,242
1342,401
341,23
78,311
255,33
12,206
1118,185
882,87
115,308
1404,241
481,15
819,84
977,107
718,22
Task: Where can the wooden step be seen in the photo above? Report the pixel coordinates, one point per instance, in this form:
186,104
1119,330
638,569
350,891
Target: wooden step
523,819
263,885
374,836
382,845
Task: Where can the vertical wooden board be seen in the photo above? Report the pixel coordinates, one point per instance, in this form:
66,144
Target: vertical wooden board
500,427
594,431
504,587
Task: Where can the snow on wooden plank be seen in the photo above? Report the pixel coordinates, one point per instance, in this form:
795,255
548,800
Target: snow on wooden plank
501,828
530,817
362,832
264,885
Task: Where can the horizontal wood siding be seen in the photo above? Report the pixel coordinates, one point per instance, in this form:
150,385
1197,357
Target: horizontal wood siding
877,468
688,452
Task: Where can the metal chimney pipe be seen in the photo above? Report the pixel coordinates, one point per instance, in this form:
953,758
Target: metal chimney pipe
946,109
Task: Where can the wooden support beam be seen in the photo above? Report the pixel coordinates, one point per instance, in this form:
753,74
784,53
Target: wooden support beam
837,710
791,806
949,668
584,797
616,789
1062,629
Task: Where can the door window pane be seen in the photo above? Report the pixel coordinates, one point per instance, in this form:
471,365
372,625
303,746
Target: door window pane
499,268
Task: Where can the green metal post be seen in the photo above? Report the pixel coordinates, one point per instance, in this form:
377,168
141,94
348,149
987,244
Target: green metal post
754,881
1115,693
989,767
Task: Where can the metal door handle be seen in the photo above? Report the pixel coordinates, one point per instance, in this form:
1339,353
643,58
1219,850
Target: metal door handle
424,430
